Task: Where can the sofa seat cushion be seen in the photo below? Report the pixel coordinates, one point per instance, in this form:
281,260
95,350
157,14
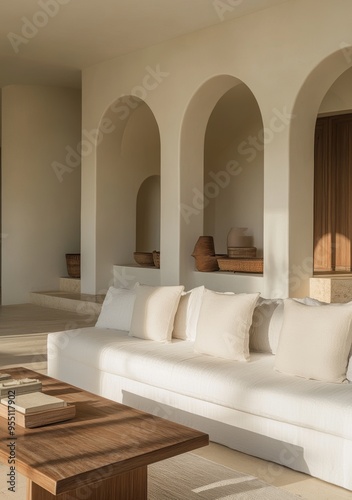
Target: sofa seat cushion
253,387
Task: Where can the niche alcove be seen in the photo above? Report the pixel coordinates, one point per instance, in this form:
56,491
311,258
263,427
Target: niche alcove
332,180
222,179
148,215
234,168
322,87
128,155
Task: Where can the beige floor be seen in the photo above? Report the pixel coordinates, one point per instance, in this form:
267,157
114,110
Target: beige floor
23,342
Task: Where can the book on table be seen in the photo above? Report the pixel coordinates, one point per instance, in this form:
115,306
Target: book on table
19,386
34,402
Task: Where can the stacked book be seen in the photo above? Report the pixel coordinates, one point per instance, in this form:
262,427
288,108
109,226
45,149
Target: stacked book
10,386
31,407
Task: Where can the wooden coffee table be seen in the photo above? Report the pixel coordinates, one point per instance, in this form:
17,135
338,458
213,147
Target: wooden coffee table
102,453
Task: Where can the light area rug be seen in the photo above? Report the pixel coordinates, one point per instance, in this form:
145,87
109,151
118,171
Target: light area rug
189,477
186,477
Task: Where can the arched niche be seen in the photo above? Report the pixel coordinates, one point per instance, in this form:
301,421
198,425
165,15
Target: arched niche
234,168
332,173
207,128
128,153
148,215
307,105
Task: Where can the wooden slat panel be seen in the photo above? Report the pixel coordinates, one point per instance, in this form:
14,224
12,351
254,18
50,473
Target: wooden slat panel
341,162
323,257
332,194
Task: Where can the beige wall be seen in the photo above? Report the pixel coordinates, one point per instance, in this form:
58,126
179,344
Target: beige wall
181,81
40,214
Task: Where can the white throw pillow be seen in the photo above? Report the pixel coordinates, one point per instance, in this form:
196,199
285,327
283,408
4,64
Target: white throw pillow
116,311
266,326
154,312
268,317
186,319
223,324
315,342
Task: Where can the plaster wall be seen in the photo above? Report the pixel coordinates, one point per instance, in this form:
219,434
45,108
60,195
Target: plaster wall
288,75
40,213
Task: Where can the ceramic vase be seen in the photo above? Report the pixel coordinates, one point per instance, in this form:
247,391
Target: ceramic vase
236,237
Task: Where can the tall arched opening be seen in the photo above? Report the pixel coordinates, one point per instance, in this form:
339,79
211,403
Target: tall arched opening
332,180
128,154
311,100
221,184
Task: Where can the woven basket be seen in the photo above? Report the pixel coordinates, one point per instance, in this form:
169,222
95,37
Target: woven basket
156,259
241,252
144,258
206,263
241,265
73,263
204,246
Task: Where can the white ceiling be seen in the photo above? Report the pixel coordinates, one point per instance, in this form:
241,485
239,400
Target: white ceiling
37,48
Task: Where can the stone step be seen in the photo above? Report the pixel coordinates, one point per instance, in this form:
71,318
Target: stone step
68,301
331,288
71,285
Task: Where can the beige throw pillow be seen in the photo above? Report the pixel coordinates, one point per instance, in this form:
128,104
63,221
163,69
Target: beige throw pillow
117,309
315,341
186,319
223,324
268,317
154,312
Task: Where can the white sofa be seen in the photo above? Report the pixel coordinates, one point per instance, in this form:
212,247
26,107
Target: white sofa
247,405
